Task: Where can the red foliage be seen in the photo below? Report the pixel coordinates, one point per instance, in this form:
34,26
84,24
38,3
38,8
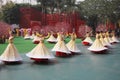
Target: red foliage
101,27
105,27
65,22
82,30
4,29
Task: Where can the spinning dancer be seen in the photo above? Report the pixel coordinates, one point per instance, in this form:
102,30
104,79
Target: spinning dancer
97,45
87,41
36,38
52,39
114,38
60,47
40,52
72,45
10,55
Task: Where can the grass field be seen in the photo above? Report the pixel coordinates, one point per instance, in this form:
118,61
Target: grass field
25,46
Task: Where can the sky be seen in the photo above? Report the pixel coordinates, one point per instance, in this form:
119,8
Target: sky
28,1
33,1
80,0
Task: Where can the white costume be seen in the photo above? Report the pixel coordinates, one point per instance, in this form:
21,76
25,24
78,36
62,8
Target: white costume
52,38
40,52
60,46
97,45
10,54
72,45
87,40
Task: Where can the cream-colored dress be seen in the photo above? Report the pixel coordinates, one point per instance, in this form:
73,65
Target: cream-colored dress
52,38
104,43
107,40
60,46
40,51
58,36
114,37
97,45
10,54
32,36
27,36
88,39
71,45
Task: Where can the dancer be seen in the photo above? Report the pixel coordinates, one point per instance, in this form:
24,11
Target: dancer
33,35
114,38
36,38
104,43
87,41
71,45
52,39
60,47
17,32
58,36
27,36
106,39
11,55
97,45
40,53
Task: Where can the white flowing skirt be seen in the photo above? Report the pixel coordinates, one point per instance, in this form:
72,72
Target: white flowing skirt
107,42
97,46
72,46
61,47
40,51
115,39
88,39
52,39
27,36
10,54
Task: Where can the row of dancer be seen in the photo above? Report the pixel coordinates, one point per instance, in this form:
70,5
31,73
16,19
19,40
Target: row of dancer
41,52
103,41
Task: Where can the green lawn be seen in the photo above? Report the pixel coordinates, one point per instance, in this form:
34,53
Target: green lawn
25,46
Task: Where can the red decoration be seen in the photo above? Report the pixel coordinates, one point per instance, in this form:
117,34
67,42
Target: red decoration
82,30
105,27
56,22
4,29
